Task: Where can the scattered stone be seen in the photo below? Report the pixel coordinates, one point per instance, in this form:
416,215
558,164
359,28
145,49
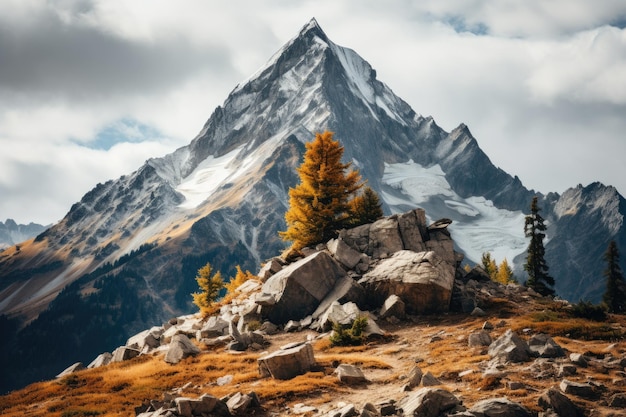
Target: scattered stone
415,377
78,366
488,326
287,363
369,410
270,268
478,312
350,374
147,340
578,359
428,402
292,326
393,307
499,407
101,360
343,253
124,353
563,406
515,385
618,400
303,409
180,348
479,339
223,380
239,404
429,380
215,326
577,389
544,346
566,370
509,348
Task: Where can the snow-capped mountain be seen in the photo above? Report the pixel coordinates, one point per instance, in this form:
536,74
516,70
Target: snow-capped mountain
130,249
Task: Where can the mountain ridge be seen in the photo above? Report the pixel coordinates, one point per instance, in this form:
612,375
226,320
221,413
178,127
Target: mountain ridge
222,198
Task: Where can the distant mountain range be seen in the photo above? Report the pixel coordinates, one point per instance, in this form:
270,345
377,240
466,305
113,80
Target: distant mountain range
126,255
12,233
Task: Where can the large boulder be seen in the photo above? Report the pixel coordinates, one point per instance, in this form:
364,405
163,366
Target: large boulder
297,290
413,231
180,347
499,407
287,363
146,340
428,402
421,279
343,314
378,240
509,348
544,346
561,404
346,290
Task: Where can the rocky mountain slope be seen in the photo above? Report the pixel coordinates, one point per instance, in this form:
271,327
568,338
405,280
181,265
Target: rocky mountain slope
266,350
126,255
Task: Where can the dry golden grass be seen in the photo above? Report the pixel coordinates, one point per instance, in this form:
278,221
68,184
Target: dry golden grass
437,343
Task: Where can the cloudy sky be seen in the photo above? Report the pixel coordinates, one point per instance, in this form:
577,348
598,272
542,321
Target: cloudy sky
90,89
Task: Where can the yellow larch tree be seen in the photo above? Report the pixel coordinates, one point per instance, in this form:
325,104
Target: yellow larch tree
319,204
210,287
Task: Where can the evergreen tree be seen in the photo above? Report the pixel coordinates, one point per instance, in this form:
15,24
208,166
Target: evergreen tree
615,295
319,204
365,208
536,266
210,287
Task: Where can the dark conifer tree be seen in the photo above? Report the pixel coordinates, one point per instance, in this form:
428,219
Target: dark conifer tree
365,208
615,295
536,266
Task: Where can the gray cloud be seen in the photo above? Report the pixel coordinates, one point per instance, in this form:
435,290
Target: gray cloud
46,56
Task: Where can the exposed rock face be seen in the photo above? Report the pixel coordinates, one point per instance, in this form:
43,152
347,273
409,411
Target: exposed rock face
422,280
297,290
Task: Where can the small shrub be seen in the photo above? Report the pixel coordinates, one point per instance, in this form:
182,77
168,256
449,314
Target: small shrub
349,336
590,311
254,325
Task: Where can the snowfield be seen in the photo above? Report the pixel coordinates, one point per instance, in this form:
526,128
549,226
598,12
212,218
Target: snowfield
478,226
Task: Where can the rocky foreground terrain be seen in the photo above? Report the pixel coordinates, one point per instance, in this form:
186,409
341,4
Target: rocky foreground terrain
439,341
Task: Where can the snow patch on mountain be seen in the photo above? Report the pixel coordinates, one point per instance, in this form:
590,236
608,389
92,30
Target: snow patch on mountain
206,178
478,226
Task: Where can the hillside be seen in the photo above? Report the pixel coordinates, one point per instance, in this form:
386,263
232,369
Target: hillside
437,344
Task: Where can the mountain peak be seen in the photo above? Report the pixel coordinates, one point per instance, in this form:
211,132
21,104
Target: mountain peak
313,27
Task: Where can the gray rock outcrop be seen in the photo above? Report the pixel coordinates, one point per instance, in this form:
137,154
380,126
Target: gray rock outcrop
180,348
297,290
421,279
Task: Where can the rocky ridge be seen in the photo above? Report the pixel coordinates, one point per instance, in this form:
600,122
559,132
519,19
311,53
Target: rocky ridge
393,272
